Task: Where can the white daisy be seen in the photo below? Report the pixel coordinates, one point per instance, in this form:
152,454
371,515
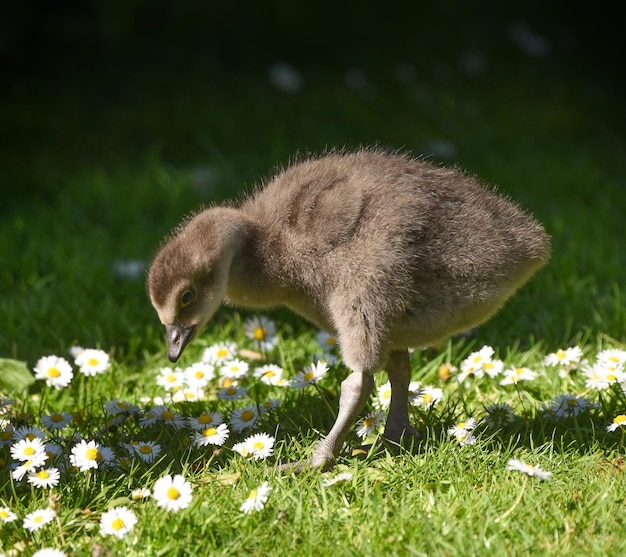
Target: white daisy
232,393
44,478
219,353
243,418
169,417
117,522
188,394
116,406
256,499
415,389
211,435
90,454
7,515
569,405
603,374
170,379
56,371
567,358
612,357
92,361
260,446
25,432
147,450
370,424
49,552
327,341
57,420
478,363
461,429
140,493
515,375
429,396
269,405
338,479
234,369
528,469
29,449
199,374
262,331
172,493
26,467
270,374
205,420
618,421
311,374
7,434
384,395
39,518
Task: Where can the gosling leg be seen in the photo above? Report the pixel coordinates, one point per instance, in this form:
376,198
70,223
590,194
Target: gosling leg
399,372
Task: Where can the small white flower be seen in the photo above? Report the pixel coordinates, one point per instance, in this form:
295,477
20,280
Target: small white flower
140,493
462,431
256,499
116,406
147,450
169,417
569,405
92,361
515,375
211,435
199,374
172,493
327,341
188,394
232,393
170,379
57,420
29,450
567,358
7,515
90,454
311,374
259,446
45,478
262,331
618,421
603,374
370,424
117,522
384,395
528,469
205,420
429,396
219,353
338,479
56,371
49,552
499,415
478,363
39,518
243,418
234,369
270,374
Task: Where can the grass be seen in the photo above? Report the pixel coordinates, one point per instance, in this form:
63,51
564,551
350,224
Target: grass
93,188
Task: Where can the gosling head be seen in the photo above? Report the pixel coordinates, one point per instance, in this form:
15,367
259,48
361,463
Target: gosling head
186,284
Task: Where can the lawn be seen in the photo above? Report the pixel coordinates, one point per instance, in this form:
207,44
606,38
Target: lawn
96,171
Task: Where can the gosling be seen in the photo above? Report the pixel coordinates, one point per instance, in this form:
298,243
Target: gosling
384,251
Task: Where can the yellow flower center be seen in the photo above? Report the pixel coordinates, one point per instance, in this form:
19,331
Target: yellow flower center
93,454
488,365
253,494
4,514
269,373
461,425
572,402
56,418
247,415
331,341
222,353
172,493
427,397
209,432
477,359
205,419
367,422
145,449
387,394
38,519
118,524
29,451
92,362
231,391
167,415
621,419
171,378
611,377
561,354
259,333
6,435
258,445
199,374
309,376
53,373
43,475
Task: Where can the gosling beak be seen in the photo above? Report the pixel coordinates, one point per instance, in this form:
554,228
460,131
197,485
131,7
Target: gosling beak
177,338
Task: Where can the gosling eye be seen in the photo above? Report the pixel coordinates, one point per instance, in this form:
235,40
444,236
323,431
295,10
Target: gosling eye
187,297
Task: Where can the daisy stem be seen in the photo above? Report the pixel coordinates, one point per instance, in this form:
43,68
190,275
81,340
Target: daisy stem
516,503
